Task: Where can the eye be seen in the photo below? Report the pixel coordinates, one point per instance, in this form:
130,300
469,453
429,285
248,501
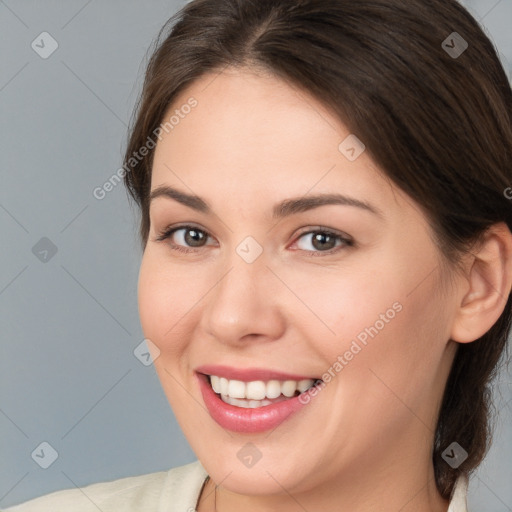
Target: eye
323,241
189,238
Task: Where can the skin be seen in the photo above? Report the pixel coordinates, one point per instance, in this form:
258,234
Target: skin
364,443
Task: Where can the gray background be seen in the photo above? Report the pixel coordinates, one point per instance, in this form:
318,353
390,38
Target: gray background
69,325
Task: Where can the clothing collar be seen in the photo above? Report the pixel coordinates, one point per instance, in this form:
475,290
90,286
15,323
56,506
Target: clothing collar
458,502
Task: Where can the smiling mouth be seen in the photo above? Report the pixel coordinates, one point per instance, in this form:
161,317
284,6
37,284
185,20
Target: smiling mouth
258,393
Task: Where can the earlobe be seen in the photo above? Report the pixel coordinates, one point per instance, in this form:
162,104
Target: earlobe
490,283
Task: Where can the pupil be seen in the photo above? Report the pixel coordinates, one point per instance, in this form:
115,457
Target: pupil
321,237
197,236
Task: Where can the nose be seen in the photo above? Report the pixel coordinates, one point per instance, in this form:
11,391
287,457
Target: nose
244,304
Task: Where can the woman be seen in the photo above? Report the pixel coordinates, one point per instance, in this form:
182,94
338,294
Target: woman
327,260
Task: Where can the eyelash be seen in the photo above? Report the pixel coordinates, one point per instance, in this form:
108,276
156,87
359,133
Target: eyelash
347,242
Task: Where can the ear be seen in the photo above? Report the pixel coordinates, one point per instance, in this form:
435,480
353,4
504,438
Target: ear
490,283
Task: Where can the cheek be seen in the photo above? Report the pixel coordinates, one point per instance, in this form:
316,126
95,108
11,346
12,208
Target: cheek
390,320
344,303
166,300
400,362
165,297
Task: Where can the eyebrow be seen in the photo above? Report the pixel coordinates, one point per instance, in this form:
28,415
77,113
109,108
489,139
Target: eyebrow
283,209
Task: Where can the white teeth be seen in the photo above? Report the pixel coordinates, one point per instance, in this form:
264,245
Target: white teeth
224,385
215,383
273,389
257,390
303,385
246,404
236,389
288,388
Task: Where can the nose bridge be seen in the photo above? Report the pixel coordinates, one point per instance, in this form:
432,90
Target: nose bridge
242,290
246,264
239,302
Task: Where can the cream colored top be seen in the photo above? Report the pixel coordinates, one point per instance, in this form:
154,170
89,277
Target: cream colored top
176,490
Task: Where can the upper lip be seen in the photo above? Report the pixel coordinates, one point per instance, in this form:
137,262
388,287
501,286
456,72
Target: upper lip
249,374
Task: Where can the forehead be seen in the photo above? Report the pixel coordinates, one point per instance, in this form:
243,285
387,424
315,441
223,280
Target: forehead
250,137
252,116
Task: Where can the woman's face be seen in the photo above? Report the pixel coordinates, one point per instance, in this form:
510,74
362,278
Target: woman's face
277,285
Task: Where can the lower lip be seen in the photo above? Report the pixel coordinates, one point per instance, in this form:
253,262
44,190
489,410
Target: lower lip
238,419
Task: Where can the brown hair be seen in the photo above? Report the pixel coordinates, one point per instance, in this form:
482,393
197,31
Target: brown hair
439,125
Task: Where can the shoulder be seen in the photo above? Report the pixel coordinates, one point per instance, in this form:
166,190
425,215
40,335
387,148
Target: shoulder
177,487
